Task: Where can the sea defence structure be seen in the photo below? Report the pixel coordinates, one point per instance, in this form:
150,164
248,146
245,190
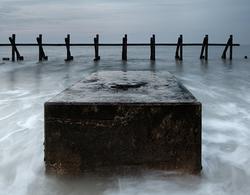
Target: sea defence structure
152,44
116,120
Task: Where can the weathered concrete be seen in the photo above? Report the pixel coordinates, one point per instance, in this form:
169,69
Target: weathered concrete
116,120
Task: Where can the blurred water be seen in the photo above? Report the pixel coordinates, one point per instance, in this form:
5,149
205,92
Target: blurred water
221,86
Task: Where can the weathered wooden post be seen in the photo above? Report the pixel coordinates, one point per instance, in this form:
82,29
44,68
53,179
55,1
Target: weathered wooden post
152,47
42,55
14,48
67,42
229,44
179,48
96,44
124,47
204,48
231,47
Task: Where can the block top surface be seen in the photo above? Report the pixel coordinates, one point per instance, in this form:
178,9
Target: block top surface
126,87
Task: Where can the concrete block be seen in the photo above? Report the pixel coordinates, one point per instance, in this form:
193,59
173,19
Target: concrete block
120,120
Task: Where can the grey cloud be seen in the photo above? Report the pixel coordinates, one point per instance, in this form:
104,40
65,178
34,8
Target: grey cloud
138,17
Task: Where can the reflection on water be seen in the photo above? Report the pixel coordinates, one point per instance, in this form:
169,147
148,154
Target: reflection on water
221,86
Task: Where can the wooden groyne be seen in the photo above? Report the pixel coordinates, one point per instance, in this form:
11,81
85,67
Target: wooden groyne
96,44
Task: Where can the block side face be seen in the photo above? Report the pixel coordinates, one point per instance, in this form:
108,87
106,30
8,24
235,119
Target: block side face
58,156
87,137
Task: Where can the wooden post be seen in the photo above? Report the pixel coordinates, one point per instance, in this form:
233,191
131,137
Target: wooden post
42,55
124,47
67,42
179,48
204,48
39,41
224,54
152,47
14,48
231,47
229,44
96,43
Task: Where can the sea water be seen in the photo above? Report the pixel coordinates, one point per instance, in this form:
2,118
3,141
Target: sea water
222,86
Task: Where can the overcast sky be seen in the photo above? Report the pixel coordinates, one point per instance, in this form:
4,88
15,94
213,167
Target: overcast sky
138,18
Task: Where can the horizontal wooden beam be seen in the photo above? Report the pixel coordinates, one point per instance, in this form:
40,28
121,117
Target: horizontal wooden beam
114,44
